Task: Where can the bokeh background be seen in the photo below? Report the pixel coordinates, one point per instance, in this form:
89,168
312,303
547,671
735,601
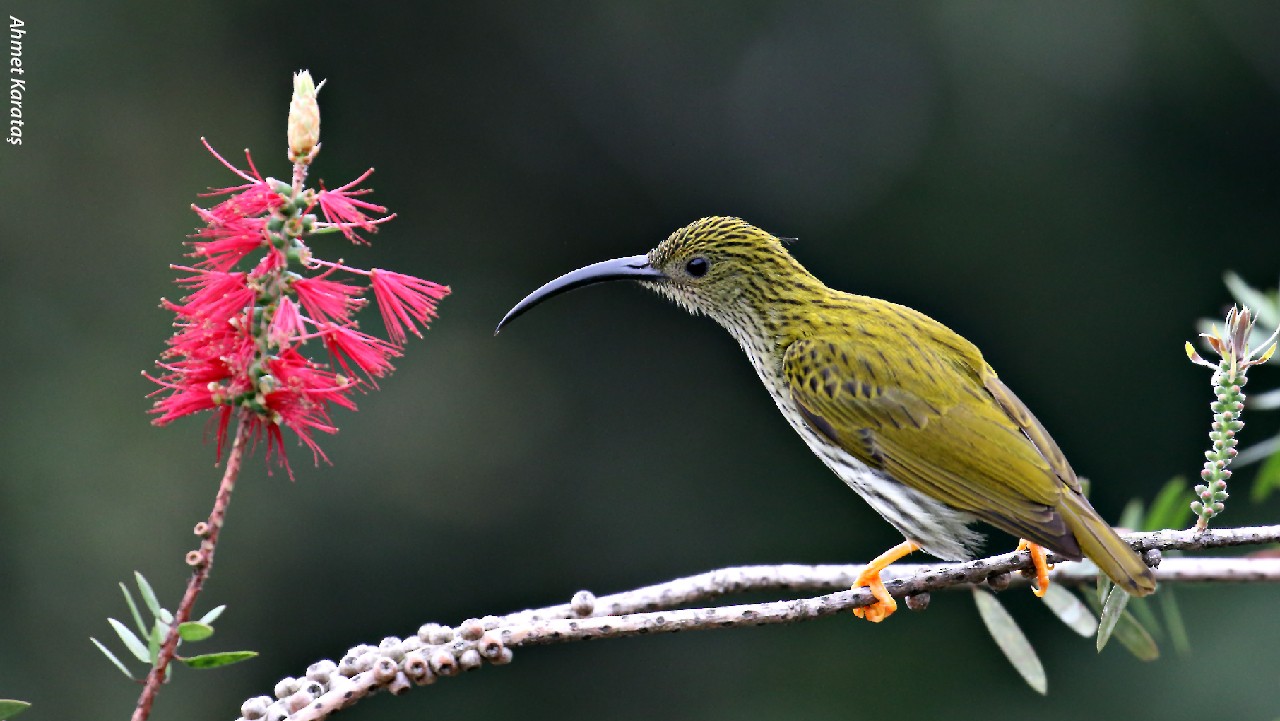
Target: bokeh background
1063,183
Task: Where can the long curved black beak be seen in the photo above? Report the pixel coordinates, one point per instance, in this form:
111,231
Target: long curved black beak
635,267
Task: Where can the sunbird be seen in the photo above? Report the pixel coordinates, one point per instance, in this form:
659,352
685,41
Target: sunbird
903,409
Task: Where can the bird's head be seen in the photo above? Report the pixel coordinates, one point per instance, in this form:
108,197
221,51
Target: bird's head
721,266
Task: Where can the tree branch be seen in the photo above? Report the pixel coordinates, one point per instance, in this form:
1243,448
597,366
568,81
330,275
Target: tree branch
201,562
435,651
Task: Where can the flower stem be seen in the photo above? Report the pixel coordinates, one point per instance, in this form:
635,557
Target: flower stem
201,561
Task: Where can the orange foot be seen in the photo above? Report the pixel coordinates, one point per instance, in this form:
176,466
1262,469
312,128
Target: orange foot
884,605
1042,567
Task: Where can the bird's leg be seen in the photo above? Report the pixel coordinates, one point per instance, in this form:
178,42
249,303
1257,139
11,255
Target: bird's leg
1042,567
884,605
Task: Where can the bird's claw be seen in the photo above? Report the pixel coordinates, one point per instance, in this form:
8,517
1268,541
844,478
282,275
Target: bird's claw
884,605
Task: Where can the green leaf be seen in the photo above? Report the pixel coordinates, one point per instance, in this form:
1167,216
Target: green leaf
131,642
148,595
133,610
1170,509
112,657
156,639
1131,516
1268,479
1070,610
10,708
1011,640
1173,622
1104,587
1125,628
1135,638
1117,599
213,615
194,631
214,660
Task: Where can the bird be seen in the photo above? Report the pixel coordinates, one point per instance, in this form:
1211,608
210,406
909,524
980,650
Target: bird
901,408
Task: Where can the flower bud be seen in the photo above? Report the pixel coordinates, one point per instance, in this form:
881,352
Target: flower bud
304,119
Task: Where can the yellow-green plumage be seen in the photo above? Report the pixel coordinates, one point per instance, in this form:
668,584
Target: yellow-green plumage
903,409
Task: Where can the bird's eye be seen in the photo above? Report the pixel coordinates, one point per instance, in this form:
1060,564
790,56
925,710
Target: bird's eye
697,267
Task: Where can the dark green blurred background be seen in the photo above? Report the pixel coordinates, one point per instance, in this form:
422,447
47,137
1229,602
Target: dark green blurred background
1063,183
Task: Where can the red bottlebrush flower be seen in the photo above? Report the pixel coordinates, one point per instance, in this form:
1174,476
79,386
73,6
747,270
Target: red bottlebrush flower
226,243
300,397
371,355
345,211
286,325
237,347
209,369
328,300
255,197
403,299
218,297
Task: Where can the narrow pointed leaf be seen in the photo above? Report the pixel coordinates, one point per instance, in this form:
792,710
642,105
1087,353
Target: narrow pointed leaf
213,615
10,708
194,631
148,595
1104,587
131,642
133,610
1135,638
1170,508
155,640
1070,610
1173,622
1011,640
214,660
1267,480
1111,610
112,658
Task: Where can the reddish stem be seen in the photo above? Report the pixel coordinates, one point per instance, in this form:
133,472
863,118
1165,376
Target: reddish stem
203,563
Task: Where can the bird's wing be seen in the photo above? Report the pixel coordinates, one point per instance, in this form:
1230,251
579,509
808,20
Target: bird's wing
933,425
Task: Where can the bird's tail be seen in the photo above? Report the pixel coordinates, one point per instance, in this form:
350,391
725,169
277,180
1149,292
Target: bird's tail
1100,544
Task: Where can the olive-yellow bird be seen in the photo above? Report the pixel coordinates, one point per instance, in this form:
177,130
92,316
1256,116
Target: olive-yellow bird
900,407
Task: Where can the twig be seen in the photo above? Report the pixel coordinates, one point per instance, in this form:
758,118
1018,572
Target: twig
437,651
201,562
